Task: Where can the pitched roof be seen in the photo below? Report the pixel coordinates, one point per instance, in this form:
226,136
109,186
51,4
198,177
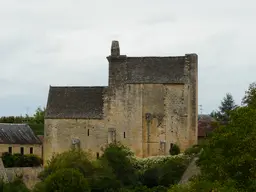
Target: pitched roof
75,103
17,134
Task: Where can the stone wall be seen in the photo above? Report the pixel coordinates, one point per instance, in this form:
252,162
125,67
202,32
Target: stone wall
37,149
59,134
30,174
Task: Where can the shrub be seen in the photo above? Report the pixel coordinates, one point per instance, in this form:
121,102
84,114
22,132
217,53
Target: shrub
165,173
76,159
194,150
66,180
119,158
15,186
175,150
201,185
18,160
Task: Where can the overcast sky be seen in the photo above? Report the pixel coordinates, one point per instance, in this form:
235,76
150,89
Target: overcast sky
65,42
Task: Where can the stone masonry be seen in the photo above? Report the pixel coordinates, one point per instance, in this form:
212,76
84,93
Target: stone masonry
149,104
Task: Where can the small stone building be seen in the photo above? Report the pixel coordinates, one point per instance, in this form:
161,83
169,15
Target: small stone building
19,138
150,104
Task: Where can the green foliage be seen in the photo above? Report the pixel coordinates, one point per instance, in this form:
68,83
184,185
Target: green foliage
175,150
36,122
15,186
66,180
226,107
18,160
165,173
194,150
119,159
38,129
117,170
250,96
202,185
230,152
75,159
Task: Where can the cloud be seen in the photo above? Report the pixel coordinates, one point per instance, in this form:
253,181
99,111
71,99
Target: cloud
66,42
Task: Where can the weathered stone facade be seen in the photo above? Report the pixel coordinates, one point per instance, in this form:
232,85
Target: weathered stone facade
150,103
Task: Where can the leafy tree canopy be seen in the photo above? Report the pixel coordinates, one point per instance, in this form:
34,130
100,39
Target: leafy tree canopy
226,107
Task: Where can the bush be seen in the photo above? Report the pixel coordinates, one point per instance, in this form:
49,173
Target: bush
201,185
175,150
66,180
194,150
15,186
18,160
75,159
165,173
120,159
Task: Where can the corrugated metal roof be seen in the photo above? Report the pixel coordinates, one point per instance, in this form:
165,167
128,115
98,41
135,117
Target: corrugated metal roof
17,134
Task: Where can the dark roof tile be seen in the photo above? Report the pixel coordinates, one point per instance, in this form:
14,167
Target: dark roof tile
75,103
156,69
17,134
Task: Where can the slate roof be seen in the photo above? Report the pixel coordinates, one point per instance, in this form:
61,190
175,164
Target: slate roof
155,69
75,103
17,134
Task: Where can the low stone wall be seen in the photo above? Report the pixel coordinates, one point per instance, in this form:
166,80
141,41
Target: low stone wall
30,174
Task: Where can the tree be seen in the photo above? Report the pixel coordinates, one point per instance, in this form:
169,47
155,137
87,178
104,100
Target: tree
76,159
66,180
227,105
230,151
119,158
39,115
250,96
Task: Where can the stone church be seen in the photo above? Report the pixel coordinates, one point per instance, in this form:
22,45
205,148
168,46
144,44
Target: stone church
150,104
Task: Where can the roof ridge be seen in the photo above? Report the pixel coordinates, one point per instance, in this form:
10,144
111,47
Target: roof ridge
78,86
13,124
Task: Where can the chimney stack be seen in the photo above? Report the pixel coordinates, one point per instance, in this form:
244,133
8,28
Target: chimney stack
115,49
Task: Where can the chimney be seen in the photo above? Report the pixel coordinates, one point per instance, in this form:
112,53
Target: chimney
115,49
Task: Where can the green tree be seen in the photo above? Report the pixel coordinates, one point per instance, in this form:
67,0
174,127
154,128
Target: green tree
250,96
119,158
230,151
76,159
66,180
226,107
39,115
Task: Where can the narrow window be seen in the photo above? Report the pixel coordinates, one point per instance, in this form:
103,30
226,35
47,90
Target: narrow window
98,155
22,151
31,150
10,150
124,134
88,132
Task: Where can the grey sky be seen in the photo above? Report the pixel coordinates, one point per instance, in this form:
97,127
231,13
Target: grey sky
65,42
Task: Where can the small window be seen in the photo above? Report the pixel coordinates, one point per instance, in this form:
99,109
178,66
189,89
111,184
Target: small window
88,132
98,155
10,150
22,151
124,134
31,150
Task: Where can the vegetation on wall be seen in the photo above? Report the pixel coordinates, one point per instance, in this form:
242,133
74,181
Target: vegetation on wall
18,160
